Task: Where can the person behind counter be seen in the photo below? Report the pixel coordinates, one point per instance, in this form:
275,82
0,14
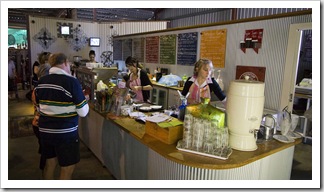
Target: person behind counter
92,56
139,81
61,102
197,84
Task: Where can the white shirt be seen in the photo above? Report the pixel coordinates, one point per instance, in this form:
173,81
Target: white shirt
11,69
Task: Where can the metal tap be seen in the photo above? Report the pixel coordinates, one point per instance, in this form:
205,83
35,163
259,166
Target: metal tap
274,122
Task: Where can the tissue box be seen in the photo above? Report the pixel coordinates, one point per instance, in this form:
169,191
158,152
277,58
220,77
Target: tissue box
168,135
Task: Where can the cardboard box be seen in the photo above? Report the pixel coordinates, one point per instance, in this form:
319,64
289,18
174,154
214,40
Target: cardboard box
168,135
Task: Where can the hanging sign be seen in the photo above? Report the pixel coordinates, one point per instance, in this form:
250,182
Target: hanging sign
139,49
152,49
213,47
254,73
117,55
187,48
167,49
252,39
127,48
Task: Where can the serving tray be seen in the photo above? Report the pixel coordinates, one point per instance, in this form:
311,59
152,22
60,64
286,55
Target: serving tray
218,153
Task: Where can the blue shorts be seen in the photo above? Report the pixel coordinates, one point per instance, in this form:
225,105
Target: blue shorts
67,152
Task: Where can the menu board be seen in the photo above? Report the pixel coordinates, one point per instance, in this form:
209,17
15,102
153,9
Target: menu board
139,49
117,46
307,56
167,49
152,49
127,48
187,48
213,47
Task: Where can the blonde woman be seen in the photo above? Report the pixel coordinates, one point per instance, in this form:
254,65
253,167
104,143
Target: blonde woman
201,84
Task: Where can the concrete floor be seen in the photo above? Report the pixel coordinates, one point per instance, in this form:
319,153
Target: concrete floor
23,158
23,154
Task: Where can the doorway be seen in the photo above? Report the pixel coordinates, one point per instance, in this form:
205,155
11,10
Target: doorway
298,68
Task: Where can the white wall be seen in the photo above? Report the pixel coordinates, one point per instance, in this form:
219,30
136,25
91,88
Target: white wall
90,29
271,55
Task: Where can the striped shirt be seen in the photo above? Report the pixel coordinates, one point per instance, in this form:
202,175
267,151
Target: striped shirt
60,102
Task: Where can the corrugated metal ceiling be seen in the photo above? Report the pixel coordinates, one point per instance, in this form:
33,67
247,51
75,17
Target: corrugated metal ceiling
18,16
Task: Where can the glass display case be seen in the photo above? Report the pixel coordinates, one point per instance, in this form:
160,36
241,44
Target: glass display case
90,77
159,96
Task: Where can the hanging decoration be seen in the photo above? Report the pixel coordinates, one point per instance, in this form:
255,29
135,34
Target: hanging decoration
111,37
254,73
64,30
106,58
44,38
79,39
252,39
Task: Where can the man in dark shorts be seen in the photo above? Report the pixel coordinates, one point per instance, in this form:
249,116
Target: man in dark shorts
60,102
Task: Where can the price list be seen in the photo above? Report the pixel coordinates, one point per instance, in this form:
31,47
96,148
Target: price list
152,49
213,46
127,48
167,49
187,48
117,46
139,49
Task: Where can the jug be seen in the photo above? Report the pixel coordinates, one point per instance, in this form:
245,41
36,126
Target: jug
285,123
268,129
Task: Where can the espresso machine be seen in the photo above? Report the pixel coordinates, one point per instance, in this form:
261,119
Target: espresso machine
76,63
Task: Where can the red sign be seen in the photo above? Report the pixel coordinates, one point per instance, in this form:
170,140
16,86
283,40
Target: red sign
252,39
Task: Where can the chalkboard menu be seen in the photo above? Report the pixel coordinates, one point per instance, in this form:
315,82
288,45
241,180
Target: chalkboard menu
187,48
86,78
152,49
127,48
213,46
167,49
117,46
139,49
307,54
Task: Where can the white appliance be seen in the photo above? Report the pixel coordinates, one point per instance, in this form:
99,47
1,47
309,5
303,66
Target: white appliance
94,65
245,103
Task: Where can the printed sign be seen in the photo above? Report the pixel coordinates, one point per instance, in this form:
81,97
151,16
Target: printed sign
127,48
152,49
117,46
213,46
139,49
187,48
167,49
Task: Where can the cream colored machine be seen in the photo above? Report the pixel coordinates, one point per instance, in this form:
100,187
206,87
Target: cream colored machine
245,103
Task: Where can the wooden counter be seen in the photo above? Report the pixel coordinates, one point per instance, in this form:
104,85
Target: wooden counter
169,87
237,158
176,164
